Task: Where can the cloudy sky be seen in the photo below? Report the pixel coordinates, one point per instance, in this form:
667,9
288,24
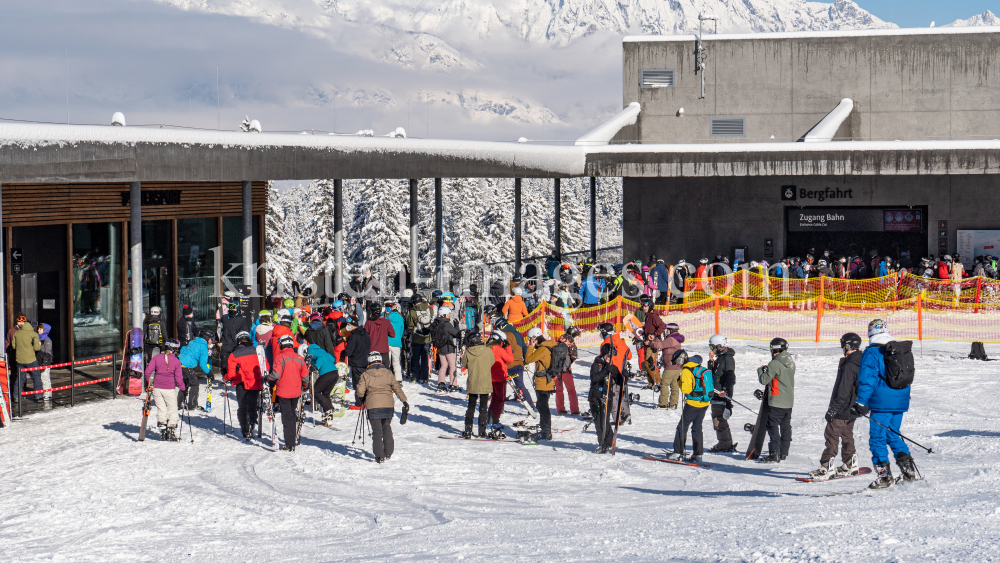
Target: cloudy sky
289,65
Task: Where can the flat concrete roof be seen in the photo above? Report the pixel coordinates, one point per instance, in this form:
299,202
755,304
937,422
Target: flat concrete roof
896,32
70,153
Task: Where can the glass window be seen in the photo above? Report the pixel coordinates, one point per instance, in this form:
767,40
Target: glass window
195,283
157,263
96,289
232,250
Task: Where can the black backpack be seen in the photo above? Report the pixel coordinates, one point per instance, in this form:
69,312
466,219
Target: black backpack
898,364
978,352
439,333
153,333
560,358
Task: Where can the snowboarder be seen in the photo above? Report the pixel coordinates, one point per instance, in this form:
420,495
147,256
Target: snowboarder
376,388
244,372
540,353
194,355
478,360
839,418
723,366
293,376
887,406
602,375
165,372
696,383
779,378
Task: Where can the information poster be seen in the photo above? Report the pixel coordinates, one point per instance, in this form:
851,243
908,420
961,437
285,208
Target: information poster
977,243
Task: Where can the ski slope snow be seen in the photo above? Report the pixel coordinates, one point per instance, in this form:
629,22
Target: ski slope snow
78,487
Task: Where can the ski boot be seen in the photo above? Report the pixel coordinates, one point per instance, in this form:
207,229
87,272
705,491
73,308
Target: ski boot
587,416
288,448
771,458
696,459
907,467
601,450
825,472
850,468
482,430
718,449
468,432
675,456
885,479
442,388
380,460
163,432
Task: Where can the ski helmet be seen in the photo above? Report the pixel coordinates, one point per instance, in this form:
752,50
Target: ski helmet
243,336
173,345
338,305
717,342
489,310
645,301
231,305
573,331
374,358
288,303
680,357
498,335
878,326
206,335
608,350
285,318
606,329
850,341
473,338
286,341
673,327
374,311
535,332
499,323
265,316
778,345
436,294
418,298
155,311
696,359
444,311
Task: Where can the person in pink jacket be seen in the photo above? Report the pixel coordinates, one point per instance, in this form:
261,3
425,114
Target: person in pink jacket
502,355
167,376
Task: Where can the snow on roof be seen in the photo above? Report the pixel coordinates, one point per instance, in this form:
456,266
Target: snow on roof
823,146
816,34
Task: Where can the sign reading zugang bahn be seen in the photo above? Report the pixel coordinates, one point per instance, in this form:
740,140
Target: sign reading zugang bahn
834,219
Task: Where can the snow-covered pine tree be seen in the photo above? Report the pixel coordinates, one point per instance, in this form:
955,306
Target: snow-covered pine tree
575,224
536,217
379,237
466,208
609,218
298,218
275,244
498,221
320,247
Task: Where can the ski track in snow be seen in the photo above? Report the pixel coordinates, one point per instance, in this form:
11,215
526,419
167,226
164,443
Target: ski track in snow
77,486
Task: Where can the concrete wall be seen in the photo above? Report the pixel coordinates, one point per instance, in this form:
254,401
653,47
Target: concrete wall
691,218
904,86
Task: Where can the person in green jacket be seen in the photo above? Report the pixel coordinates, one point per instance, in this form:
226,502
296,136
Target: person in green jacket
418,324
25,343
779,378
478,359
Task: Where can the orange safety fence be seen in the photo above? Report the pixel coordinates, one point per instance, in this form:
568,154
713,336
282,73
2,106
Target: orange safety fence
819,319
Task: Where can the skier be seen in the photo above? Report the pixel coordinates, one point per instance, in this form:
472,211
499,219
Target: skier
478,360
293,376
154,332
696,383
564,374
318,335
661,281
518,349
244,372
418,322
887,406
195,355
379,330
261,331
326,366
284,327
779,378
376,388
355,355
502,357
232,323
611,337
514,309
723,366
165,371
602,373
444,332
395,317
540,353
186,329
839,418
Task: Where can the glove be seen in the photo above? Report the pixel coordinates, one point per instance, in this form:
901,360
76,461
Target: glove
759,393
727,413
859,409
829,416
406,406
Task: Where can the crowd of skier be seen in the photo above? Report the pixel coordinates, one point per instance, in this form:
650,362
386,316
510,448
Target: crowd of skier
276,360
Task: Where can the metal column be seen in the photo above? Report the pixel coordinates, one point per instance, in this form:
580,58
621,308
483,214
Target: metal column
558,221
414,219
593,219
249,272
135,241
439,232
517,225
338,235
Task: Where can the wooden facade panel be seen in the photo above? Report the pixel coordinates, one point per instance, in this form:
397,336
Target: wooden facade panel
50,204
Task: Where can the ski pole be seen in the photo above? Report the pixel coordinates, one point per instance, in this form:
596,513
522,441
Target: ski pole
930,451
190,431
742,405
357,425
225,406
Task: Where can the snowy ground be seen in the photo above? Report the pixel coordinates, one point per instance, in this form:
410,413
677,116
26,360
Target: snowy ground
78,487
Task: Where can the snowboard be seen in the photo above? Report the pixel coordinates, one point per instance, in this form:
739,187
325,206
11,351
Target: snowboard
758,430
689,464
136,369
146,408
862,471
476,439
262,365
520,398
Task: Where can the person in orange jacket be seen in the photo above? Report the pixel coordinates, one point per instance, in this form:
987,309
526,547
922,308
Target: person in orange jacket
244,373
514,309
293,376
611,337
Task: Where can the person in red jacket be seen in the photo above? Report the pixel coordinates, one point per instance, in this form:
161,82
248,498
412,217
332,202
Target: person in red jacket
502,355
293,376
379,330
244,373
284,327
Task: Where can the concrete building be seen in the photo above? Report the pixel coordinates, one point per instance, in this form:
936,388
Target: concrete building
874,89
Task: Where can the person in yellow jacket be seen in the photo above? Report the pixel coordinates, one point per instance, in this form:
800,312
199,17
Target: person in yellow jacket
696,384
540,353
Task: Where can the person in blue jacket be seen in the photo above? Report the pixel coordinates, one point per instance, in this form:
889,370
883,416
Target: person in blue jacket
326,365
886,405
591,289
395,342
661,276
194,357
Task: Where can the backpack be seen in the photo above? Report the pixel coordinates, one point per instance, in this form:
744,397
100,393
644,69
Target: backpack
153,333
898,364
978,352
560,358
703,385
470,315
423,324
439,334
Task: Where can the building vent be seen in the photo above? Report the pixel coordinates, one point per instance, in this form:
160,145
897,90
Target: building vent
728,126
657,78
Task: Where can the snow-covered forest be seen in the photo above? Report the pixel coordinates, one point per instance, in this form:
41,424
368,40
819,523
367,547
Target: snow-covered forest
478,217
